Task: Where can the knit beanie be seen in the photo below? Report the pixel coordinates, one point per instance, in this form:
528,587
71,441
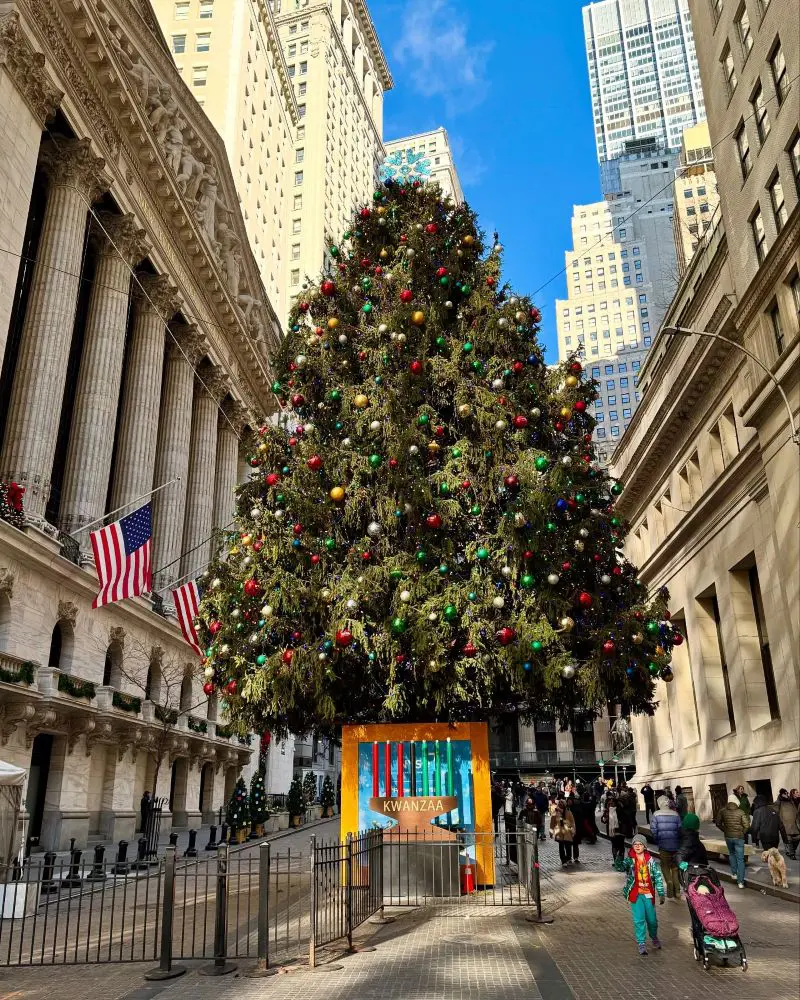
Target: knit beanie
663,802
733,799
639,839
691,821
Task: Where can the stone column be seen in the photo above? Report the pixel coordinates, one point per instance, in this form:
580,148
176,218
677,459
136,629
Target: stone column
76,179
229,428
210,387
155,303
184,350
91,441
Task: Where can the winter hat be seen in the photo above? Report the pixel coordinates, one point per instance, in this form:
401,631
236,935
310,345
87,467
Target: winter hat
733,799
663,802
691,821
639,839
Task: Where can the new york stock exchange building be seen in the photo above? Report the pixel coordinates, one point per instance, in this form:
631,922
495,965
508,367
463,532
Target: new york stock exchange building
134,337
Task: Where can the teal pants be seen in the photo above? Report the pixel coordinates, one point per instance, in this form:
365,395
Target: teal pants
644,919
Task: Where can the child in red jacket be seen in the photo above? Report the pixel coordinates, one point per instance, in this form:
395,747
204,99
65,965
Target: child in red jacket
643,883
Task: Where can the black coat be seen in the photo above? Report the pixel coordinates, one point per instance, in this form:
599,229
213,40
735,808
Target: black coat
766,827
691,849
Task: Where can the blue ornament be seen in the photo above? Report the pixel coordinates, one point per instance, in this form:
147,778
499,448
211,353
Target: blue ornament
561,505
533,359
327,645
629,671
527,665
296,543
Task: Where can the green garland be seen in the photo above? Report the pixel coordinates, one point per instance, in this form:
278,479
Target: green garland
75,687
24,674
197,725
126,702
224,732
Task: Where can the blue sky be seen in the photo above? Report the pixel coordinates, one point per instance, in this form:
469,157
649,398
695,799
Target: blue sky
508,80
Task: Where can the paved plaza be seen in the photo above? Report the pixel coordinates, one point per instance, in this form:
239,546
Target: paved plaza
471,951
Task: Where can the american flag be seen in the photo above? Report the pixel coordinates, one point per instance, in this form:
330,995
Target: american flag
122,557
187,603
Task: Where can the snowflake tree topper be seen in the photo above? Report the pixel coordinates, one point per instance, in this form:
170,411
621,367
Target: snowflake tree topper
406,165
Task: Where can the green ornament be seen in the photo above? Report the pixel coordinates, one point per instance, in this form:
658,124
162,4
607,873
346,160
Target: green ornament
466,347
346,235
338,425
366,284
444,281
423,419
541,463
450,613
472,596
536,646
506,372
334,251
441,342
399,625
653,668
422,555
580,498
375,460
482,553
327,645
335,395
527,581
488,453
615,521
276,387
280,497
396,575
475,509
456,453
466,289
367,307
444,569
240,626
261,659
652,628
444,489
617,488
477,366
551,526
330,544
372,657
379,380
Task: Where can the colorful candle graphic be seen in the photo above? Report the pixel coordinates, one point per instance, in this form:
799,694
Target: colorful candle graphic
387,759
425,781
413,764
400,778
375,789
437,769
450,776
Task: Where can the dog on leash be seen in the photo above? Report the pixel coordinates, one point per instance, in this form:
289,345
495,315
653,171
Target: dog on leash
777,866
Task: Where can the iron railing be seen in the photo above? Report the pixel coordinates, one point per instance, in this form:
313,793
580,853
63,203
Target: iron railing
555,759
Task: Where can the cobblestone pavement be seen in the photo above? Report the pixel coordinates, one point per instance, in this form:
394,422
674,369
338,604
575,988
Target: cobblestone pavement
469,953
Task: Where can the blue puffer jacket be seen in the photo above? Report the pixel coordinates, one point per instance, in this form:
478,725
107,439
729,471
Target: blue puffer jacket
665,826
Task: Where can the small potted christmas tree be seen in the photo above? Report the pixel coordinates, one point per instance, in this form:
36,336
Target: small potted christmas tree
259,814
238,812
295,801
310,794
327,796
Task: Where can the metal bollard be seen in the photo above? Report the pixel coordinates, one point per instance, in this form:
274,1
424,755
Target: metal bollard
191,850
221,966
312,939
173,840
537,886
98,872
212,840
73,879
262,967
141,861
48,884
223,837
165,968
121,866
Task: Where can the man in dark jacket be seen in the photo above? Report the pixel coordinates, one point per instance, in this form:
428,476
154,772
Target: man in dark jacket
681,802
145,806
540,800
649,797
665,827
766,827
787,811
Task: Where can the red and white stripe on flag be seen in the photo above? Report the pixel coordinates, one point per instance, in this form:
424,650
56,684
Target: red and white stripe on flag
187,604
122,557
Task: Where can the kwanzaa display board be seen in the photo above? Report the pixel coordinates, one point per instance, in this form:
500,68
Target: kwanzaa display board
421,779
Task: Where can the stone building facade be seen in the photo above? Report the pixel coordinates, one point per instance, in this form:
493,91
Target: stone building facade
435,145
710,460
134,335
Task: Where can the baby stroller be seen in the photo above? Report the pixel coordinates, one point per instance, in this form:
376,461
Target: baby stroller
715,929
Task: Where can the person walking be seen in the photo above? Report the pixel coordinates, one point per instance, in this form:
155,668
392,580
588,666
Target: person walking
510,819
540,800
744,805
649,797
145,807
498,801
766,827
644,881
665,828
691,851
681,802
787,811
562,830
734,824
615,833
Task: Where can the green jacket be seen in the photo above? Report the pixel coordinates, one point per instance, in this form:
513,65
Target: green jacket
744,804
732,821
655,876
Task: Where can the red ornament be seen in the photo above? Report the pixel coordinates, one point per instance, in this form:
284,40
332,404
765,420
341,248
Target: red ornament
362,355
366,556
597,557
580,406
287,655
406,295
571,504
342,268
520,421
319,331
585,599
403,238
252,587
559,426
677,639
469,649
328,288
518,367
609,647
576,368
296,636
566,566
297,529
506,635
343,637
378,271
273,478
502,400
432,229
393,463
214,627
303,307
292,441
490,282
527,554
208,688
466,484
258,546
314,559
617,571
512,482
230,687
314,463
438,431
255,461
298,399
587,438
434,521
441,272
667,615
364,213
416,367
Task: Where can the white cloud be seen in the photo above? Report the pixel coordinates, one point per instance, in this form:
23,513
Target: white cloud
441,60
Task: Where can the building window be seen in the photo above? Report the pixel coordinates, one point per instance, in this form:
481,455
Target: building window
181,11
301,110
601,432
794,288
729,69
609,369
303,48
298,178
199,76
178,44
295,277
295,251
615,431
599,417
716,7
623,382
763,643
206,9
759,235
303,68
743,149
794,156
203,43
760,113
612,400
296,225
780,77
292,50
291,70
776,198
726,681
745,34
301,90
777,327
298,203
612,415
647,341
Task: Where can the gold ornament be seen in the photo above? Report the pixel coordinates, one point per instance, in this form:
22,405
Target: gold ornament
263,446
565,412
464,410
659,650
234,551
468,240
571,381
384,254
434,448
418,317
520,317
247,539
381,210
637,638
360,401
337,494
568,624
333,322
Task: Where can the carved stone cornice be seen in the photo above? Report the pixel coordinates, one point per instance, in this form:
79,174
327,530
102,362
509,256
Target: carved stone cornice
762,287
117,634
6,582
213,381
13,715
119,235
72,163
188,342
67,612
156,292
26,69
233,413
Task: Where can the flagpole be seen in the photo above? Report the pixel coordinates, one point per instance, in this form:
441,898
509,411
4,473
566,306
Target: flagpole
185,576
130,503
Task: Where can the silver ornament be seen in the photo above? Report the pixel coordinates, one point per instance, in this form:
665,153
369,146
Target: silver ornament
568,624
300,360
500,425
373,529
519,519
208,673
498,248
253,638
216,583
279,514
506,571
520,317
322,657
346,442
566,460
359,579
254,512
310,428
225,651
498,602
351,605
497,383
584,532
401,338
405,596
389,276
568,671
235,613
411,252
502,323
383,328
375,425
605,579
553,579
432,616
381,220
448,304
413,450
513,301
342,338
266,611
536,413
247,560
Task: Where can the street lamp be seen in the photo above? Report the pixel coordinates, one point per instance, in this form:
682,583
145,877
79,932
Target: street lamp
685,332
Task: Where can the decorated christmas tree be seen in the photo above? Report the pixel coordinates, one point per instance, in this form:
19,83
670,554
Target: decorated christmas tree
309,787
327,796
294,800
425,534
259,813
237,815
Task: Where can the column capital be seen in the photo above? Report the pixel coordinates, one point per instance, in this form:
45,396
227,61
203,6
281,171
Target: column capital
233,412
26,69
188,342
71,163
157,293
212,380
118,235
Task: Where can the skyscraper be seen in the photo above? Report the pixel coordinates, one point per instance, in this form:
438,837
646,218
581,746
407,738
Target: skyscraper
643,72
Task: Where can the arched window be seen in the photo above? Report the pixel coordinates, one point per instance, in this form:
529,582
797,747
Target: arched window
112,670
154,680
62,642
186,693
5,622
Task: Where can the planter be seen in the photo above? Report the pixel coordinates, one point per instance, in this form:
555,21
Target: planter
282,819
258,831
328,812
296,820
241,836
272,825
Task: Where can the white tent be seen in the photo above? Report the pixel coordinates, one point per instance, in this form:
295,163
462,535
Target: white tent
12,781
